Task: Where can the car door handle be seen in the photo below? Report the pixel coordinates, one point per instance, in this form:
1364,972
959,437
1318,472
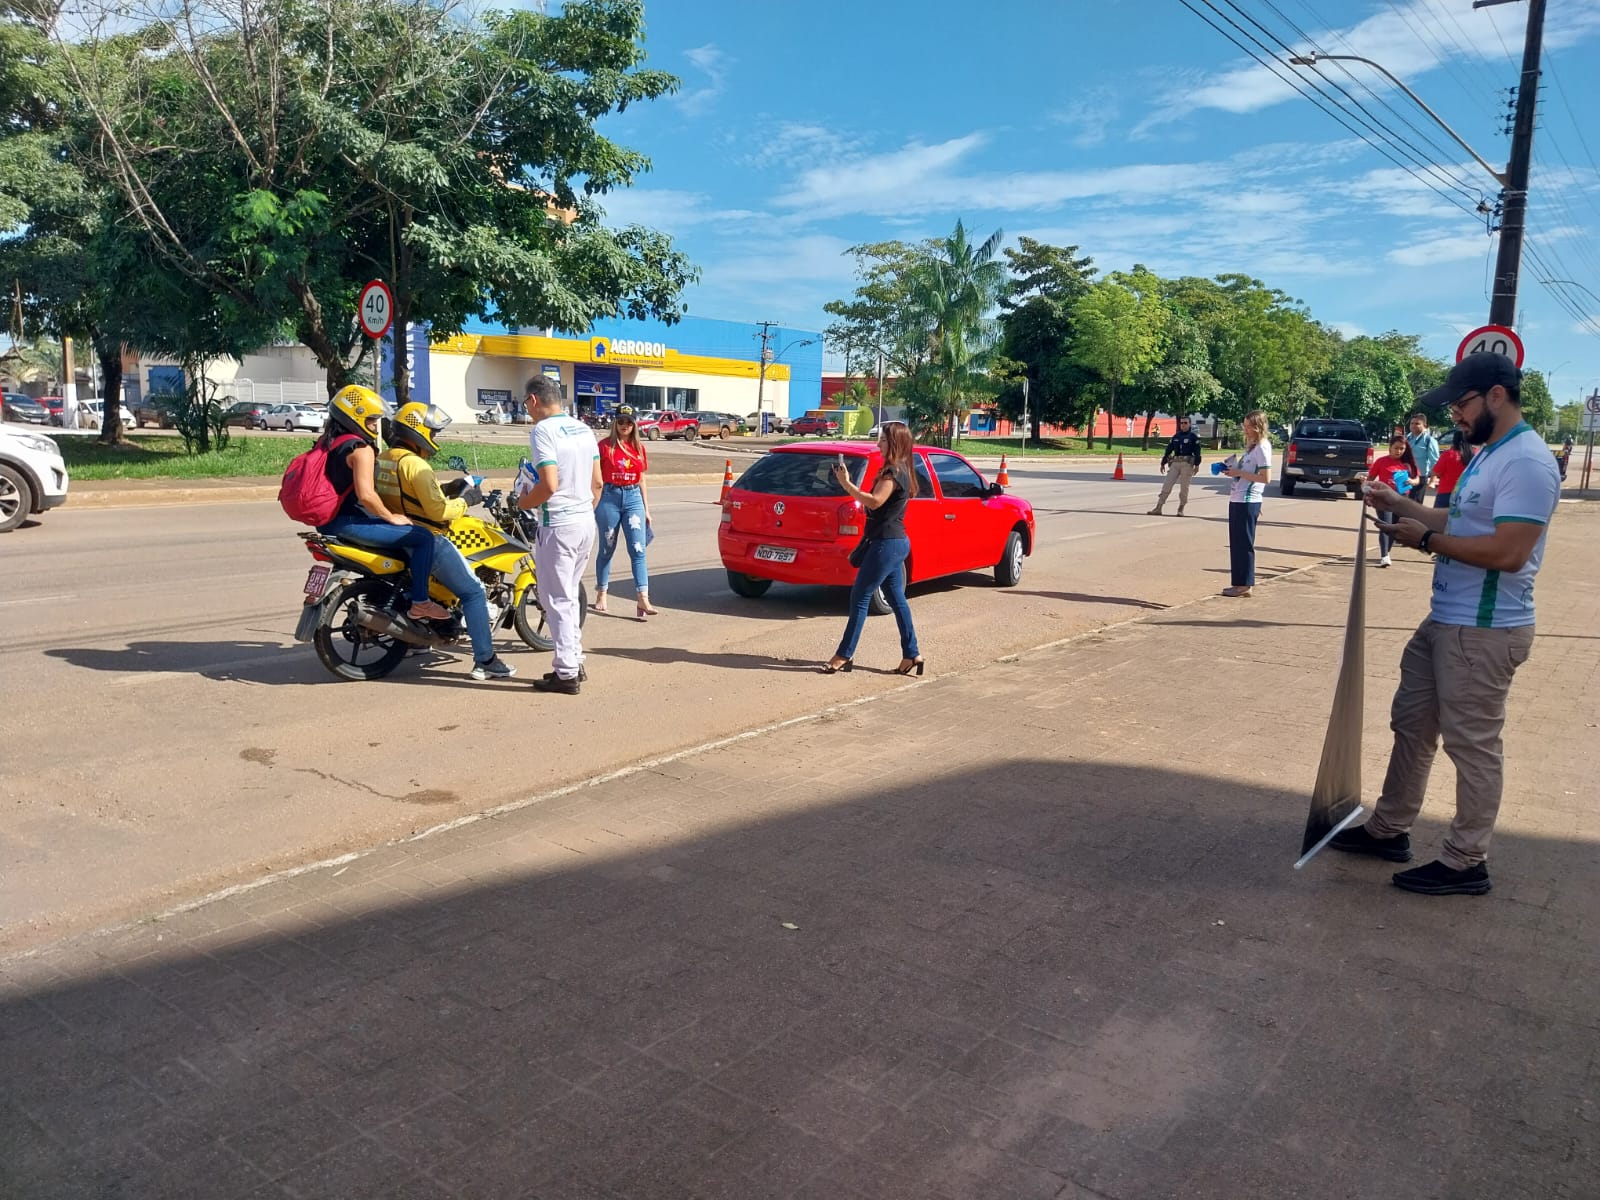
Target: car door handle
949,516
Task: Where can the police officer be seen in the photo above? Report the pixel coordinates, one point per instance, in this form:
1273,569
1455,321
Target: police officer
1183,457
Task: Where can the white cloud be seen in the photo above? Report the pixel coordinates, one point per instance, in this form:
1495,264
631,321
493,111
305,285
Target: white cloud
713,63
669,209
1090,119
779,143
1442,248
1347,329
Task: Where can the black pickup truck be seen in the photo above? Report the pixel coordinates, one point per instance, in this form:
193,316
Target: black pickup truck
1328,453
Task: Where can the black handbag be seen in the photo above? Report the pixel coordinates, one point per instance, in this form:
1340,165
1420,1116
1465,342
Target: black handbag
859,554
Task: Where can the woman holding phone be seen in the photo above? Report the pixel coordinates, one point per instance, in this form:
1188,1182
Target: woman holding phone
884,548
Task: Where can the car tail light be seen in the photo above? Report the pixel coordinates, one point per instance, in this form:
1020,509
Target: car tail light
1371,452
849,519
1290,458
727,513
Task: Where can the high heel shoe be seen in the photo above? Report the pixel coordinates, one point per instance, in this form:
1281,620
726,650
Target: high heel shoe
847,665
909,665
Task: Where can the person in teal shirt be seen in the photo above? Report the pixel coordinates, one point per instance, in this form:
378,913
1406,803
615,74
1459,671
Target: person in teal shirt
1425,449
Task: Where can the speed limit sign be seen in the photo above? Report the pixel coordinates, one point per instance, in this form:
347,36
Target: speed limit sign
376,309
1491,339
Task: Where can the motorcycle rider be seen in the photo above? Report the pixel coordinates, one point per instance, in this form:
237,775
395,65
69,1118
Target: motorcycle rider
406,483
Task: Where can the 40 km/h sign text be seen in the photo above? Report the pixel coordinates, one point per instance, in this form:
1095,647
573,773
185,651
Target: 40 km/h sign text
1491,339
375,309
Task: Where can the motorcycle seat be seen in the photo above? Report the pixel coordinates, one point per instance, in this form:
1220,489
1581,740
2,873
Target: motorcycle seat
347,539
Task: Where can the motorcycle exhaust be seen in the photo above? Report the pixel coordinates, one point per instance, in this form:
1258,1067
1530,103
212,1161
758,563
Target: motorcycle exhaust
399,627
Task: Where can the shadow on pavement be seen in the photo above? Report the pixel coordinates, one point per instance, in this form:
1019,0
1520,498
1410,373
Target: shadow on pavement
1086,598
964,985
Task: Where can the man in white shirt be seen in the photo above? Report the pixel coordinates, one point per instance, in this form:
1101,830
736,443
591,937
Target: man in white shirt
566,464
1456,671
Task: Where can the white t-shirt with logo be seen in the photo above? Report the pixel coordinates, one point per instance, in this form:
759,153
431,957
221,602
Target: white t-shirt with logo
1257,458
570,446
1513,479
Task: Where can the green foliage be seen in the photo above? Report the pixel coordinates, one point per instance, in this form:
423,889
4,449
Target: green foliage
1038,336
1120,328
1569,420
1538,405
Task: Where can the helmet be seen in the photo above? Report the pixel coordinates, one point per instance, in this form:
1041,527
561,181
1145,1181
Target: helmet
353,407
417,426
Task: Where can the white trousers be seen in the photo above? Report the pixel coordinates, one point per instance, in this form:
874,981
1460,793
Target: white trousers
560,558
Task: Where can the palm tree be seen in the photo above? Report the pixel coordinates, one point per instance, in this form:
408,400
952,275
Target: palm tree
958,289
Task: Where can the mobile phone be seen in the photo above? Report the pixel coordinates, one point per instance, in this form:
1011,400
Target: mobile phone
838,460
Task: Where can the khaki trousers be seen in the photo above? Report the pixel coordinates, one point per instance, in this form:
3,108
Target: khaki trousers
1179,471
1453,683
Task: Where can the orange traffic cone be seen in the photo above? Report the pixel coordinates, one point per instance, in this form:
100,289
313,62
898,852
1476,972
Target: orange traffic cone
1117,474
1003,479
727,480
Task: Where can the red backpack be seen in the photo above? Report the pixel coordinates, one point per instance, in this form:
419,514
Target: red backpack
307,494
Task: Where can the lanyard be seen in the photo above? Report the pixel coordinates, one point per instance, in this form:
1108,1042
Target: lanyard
1472,467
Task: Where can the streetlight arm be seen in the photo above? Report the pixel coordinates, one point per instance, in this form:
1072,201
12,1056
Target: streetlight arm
1311,60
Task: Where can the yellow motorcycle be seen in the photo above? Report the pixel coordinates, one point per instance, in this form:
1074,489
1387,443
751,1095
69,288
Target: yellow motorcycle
356,596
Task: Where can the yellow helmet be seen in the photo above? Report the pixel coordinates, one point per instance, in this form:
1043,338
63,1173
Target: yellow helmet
358,409
417,426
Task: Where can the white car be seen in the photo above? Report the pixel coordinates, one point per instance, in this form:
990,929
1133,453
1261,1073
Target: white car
290,417
97,413
33,476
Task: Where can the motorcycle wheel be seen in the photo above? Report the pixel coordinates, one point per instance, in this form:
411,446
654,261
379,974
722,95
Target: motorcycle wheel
533,626
348,650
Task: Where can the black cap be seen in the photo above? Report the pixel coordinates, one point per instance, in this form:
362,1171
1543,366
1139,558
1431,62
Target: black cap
1474,373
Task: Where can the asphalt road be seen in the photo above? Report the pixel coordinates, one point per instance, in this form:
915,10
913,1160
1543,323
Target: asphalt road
164,735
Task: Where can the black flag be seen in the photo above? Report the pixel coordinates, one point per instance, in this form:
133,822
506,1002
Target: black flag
1336,798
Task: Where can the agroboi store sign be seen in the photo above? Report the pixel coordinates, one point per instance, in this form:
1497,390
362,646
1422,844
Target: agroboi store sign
627,352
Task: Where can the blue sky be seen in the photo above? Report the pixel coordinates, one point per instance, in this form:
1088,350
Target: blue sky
1129,128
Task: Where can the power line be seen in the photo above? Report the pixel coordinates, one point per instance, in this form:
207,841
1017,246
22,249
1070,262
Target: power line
1316,97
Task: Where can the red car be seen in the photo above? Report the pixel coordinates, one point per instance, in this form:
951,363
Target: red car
787,519
814,425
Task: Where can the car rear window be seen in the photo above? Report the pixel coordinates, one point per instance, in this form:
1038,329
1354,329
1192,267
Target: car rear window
1336,430
799,474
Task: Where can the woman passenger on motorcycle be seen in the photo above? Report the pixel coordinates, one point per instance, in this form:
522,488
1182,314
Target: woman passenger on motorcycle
624,507
362,516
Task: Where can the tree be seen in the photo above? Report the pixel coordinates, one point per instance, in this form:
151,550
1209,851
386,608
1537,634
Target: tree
275,154
956,290
1538,406
1366,381
883,316
1037,331
1119,324
1181,381
1569,420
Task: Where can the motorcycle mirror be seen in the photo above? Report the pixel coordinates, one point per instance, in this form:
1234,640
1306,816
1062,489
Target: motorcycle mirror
456,463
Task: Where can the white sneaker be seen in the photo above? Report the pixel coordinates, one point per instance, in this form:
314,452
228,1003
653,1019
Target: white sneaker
1384,561
495,668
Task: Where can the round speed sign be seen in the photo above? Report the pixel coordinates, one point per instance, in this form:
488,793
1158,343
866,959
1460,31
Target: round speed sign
376,309
1491,339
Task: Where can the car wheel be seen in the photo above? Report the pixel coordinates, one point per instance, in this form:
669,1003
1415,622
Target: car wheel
16,498
692,433
1286,486
878,604
1008,571
724,433
653,434
748,586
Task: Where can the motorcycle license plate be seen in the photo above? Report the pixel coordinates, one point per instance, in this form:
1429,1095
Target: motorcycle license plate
778,554
317,581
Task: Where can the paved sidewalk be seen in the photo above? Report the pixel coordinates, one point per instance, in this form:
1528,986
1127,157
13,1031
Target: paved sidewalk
1026,932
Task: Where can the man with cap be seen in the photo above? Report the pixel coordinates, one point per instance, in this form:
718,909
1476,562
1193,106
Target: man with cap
1183,457
1456,670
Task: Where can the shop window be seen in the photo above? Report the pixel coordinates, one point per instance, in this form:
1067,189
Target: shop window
683,399
642,397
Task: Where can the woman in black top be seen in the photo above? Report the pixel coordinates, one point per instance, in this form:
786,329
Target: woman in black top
885,548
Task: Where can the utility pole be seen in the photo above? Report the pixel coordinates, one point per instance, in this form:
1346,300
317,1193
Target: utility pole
1514,207
761,378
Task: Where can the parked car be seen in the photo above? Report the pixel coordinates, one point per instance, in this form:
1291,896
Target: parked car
669,424
154,409
788,520
719,425
814,426
97,413
246,413
33,476
24,410
776,422
290,417
1327,452
55,405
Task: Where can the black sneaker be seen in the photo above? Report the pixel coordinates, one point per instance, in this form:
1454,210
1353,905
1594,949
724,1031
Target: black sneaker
1359,841
1436,879
583,675
554,683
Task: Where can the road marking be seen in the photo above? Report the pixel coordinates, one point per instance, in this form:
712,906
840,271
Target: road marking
1073,537
1149,524
41,599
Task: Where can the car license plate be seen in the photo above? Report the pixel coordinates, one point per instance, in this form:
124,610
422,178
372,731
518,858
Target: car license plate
780,554
1327,470
317,581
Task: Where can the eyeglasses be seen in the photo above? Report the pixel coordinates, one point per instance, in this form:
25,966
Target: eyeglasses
1462,400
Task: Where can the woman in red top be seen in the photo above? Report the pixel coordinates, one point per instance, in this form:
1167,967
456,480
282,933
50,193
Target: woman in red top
1449,468
1398,461
624,509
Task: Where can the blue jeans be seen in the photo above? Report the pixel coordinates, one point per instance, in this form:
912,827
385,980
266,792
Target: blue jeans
621,508
450,569
415,540
1385,540
1242,520
882,566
